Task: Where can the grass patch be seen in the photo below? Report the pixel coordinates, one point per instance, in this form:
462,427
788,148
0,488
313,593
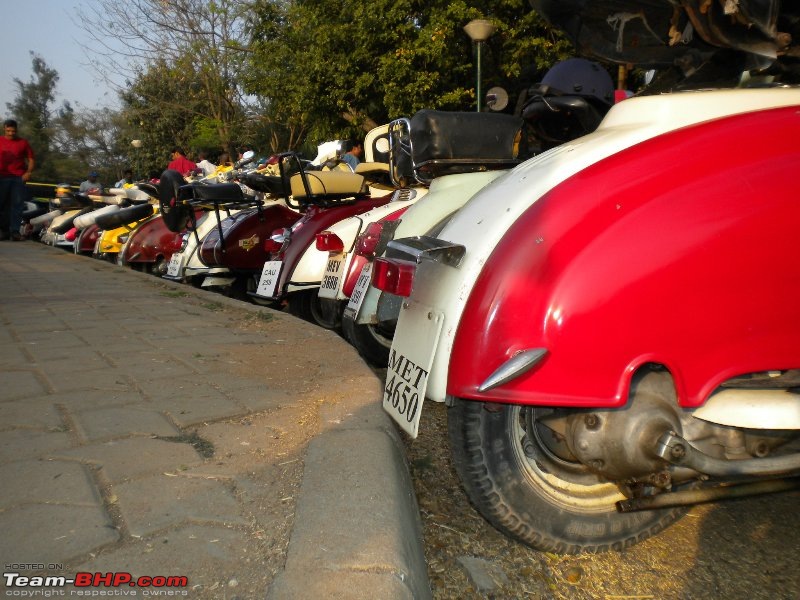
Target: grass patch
174,294
204,447
212,306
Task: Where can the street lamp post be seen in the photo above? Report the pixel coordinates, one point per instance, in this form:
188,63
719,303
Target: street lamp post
136,145
479,30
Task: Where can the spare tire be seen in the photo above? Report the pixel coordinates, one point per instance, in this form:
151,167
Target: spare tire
83,221
124,216
175,213
67,224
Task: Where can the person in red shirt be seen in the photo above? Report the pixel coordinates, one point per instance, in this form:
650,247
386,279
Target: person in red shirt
180,163
16,166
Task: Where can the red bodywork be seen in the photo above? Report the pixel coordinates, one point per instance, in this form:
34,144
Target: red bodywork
152,241
243,235
680,251
86,240
314,221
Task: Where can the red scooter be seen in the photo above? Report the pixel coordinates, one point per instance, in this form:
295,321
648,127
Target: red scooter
613,324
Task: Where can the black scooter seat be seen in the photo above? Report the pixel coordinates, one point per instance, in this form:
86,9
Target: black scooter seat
215,192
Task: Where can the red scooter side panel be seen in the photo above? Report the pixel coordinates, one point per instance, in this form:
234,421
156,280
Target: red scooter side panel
243,235
682,251
315,220
87,238
151,241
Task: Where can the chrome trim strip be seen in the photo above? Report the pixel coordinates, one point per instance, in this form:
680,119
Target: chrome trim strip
515,366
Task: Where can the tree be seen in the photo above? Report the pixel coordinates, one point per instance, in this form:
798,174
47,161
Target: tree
337,73
32,109
202,40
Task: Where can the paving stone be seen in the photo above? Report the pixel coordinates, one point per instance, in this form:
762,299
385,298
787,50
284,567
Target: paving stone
20,384
34,413
260,397
85,399
153,365
107,380
154,503
205,554
53,533
47,482
13,356
19,444
111,422
85,361
135,457
190,402
59,338
44,354
41,322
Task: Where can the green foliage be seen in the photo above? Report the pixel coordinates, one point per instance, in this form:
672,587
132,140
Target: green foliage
32,110
339,70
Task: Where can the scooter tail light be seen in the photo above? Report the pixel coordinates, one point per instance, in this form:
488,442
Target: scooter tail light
394,275
327,241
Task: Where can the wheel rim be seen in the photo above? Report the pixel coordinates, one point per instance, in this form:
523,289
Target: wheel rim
566,483
379,337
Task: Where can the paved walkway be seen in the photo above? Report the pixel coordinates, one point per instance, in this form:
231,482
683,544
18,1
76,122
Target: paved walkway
155,429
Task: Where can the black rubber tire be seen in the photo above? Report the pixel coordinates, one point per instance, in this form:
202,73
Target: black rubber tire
251,285
536,498
299,304
175,213
373,346
326,313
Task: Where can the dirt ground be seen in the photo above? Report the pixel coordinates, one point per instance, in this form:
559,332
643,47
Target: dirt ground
745,548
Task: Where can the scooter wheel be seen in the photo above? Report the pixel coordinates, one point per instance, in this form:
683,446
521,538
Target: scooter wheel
527,489
371,344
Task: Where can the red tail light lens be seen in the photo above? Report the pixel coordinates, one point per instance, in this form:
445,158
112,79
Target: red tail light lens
394,275
327,241
70,235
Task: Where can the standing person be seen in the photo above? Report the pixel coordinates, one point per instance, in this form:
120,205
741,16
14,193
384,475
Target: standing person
353,155
205,164
16,166
180,163
92,184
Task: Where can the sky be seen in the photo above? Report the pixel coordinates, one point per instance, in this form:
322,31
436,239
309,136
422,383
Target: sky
50,28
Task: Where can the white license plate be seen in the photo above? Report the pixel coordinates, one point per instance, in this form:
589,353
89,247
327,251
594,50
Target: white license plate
175,264
359,292
331,281
269,279
410,361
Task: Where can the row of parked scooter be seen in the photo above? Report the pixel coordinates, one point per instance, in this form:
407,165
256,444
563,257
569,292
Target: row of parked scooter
287,232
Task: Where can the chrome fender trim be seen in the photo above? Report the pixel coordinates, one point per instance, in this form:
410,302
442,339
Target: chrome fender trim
515,366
